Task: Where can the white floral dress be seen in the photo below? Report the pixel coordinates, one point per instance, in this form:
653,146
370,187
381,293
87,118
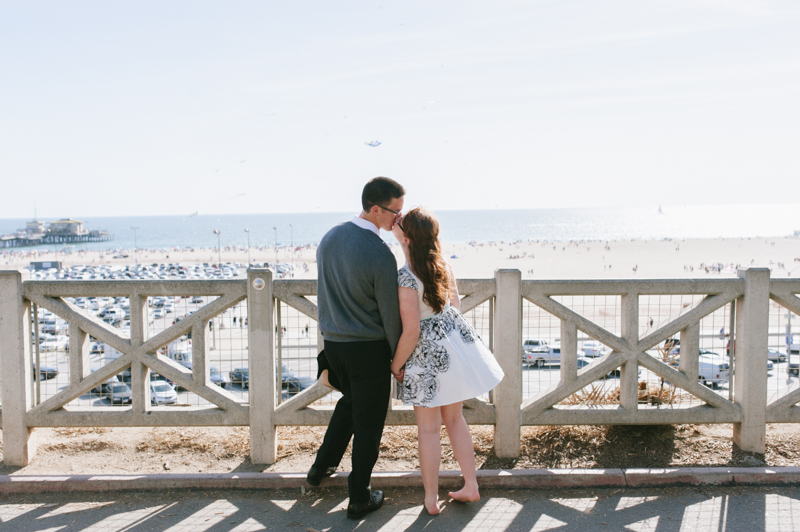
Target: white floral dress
450,362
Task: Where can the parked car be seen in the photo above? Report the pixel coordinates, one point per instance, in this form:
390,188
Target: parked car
794,364
713,369
294,385
105,386
196,299
539,358
291,382
98,348
593,348
240,376
58,344
671,343
46,373
120,393
125,376
535,345
162,393
215,376
775,355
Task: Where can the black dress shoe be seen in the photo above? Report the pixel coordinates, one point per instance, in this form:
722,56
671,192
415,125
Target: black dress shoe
315,475
360,509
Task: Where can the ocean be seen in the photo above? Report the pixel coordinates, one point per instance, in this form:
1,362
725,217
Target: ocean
674,222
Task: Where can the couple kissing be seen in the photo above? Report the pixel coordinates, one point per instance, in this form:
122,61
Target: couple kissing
379,322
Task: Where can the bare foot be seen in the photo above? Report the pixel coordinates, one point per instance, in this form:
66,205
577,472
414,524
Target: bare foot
432,505
465,494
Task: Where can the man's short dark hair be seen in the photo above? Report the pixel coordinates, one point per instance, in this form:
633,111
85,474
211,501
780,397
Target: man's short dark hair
380,191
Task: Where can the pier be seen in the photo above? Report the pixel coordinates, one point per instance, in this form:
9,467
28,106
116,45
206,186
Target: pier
64,231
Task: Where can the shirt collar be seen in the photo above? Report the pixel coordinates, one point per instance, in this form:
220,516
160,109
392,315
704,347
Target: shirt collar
366,224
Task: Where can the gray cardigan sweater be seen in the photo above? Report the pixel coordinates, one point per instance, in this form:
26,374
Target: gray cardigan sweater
357,287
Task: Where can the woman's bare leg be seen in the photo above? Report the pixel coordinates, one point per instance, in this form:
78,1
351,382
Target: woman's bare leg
464,451
429,424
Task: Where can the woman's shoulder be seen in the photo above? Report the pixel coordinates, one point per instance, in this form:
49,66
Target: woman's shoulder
406,279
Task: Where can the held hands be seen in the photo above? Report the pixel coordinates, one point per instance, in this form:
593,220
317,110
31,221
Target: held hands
398,371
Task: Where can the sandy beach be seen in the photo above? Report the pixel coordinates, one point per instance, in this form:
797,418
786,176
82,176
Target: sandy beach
654,259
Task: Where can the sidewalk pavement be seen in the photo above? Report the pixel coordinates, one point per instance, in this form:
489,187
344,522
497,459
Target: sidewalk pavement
494,478
113,504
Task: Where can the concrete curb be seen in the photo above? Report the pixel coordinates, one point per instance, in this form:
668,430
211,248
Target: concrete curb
495,478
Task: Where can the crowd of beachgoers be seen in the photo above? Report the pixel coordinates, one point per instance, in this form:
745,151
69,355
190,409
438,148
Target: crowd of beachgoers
580,259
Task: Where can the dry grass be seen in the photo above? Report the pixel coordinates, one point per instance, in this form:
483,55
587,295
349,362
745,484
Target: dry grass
74,447
236,443
73,432
593,395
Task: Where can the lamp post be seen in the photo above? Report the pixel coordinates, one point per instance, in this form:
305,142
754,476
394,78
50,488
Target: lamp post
219,249
249,260
276,247
135,255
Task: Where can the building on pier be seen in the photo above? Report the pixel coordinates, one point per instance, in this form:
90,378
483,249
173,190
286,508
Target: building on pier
64,231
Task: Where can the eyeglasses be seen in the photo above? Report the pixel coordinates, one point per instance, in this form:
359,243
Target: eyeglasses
397,216
396,213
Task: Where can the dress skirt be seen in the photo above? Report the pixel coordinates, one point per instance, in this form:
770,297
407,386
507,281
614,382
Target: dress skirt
449,364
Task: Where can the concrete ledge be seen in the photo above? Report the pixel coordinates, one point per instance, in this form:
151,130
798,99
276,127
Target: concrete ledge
637,478
515,478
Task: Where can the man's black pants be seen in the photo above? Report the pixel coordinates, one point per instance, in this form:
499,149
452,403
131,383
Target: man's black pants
362,370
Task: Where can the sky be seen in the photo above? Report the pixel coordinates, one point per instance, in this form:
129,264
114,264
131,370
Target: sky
154,108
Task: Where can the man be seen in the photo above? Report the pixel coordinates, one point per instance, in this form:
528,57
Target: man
359,318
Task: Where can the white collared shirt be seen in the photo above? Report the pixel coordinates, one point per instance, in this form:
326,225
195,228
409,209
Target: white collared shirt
366,224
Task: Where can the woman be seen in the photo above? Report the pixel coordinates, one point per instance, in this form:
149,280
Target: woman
440,361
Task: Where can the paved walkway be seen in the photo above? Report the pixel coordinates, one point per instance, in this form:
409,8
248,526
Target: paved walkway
702,508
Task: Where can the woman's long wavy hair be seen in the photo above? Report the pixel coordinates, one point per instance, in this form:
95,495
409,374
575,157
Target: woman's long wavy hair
422,228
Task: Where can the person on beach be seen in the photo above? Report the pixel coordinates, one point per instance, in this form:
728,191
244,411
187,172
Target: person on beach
439,361
359,319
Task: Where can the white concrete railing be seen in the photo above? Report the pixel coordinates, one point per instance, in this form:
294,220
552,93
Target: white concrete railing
749,411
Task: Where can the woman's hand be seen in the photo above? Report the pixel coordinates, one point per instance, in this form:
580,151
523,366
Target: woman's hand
399,371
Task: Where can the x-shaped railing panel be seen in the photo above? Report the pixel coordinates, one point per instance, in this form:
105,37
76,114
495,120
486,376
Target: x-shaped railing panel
627,350
296,411
783,292
137,350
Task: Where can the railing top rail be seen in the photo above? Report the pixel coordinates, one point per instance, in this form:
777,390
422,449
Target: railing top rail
297,287
632,286
308,287
791,285
121,288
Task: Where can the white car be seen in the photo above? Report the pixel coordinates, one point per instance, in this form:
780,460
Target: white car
712,369
54,345
549,354
775,355
593,348
162,393
794,364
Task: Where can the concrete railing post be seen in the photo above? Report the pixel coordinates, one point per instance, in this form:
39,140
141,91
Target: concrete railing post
750,384
16,370
629,372
261,354
508,351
